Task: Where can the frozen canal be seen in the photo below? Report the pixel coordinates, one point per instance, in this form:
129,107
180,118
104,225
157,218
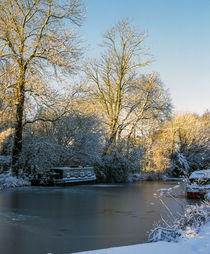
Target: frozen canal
60,220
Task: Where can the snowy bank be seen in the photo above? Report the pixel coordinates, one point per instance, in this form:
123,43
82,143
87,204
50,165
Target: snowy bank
199,244
9,181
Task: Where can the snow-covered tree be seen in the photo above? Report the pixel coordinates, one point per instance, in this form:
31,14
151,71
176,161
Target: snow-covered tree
75,137
37,40
181,144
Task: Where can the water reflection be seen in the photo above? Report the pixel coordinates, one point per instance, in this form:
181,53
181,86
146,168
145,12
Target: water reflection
76,218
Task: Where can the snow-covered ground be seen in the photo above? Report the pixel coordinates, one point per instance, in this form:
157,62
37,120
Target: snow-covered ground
192,244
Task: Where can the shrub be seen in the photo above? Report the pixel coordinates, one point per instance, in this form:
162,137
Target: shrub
187,225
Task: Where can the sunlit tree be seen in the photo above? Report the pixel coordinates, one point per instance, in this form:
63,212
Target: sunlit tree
180,145
37,40
124,96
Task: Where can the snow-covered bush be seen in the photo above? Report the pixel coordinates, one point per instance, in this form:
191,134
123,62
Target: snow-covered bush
179,165
77,134
120,165
81,134
185,226
73,138
9,181
5,162
40,153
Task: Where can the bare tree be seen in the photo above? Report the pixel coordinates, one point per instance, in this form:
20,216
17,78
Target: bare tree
123,95
37,38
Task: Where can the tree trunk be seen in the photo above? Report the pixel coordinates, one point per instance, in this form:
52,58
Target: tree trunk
110,142
17,146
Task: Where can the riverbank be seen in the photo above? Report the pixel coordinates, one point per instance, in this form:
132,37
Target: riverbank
191,244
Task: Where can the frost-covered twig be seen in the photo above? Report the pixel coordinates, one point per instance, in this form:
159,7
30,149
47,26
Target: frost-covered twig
167,208
187,225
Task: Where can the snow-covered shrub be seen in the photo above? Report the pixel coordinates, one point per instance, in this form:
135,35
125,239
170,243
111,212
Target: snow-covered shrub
77,133
163,234
9,181
73,138
5,162
179,165
120,166
185,226
115,167
40,153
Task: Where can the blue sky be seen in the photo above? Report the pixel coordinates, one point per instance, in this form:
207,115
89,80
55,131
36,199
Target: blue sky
179,42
